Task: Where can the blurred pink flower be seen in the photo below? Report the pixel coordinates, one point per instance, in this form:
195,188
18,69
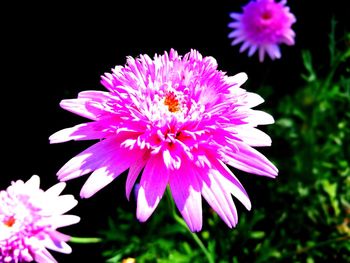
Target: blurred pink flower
178,121
263,26
29,218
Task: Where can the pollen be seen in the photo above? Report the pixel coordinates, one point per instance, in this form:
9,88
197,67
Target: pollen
172,102
10,221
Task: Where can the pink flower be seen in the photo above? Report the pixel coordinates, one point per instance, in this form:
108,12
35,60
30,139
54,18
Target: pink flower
29,218
263,25
177,121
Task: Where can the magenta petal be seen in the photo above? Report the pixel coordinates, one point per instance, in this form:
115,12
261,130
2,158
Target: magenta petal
250,160
44,256
152,186
88,160
99,179
220,200
57,245
186,192
231,184
85,131
134,172
253,136
121,161
78,106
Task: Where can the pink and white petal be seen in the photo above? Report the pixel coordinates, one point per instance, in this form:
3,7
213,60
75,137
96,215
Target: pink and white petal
85,131
134,171
63,220
152,186
172,158
95,95
231,184
78,106
236,81
43,256
253,136
220,201
59,236
33,182
88,160
256,117
57,245
186,192
100,178
251,99
55,190
122,160
250,160
62,204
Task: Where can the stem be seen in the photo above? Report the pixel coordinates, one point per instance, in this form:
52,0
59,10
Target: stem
321,244
85,240
181,222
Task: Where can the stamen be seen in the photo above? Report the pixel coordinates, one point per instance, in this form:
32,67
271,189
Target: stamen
172,102
10,222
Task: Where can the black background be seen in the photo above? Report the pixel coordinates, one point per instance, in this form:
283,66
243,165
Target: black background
52,52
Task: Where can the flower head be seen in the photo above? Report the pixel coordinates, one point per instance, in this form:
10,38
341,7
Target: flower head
263,26
176,121
29,218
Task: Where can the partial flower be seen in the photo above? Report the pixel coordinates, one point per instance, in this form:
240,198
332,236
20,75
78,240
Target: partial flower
177,121
263,26
29,218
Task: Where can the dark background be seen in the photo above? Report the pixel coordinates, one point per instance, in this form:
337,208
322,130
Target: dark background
52,52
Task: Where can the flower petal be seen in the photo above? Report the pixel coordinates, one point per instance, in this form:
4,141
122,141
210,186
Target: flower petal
250,160
57,245
185,190
120,161
63,220
56,189
253,136
152,186
88,160
231,184
33,182
134,171
44,256
85,131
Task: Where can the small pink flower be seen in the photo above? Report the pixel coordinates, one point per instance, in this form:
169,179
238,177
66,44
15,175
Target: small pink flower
177,121
263,26
29,218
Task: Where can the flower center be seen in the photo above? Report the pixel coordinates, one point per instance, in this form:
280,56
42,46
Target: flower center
10,221
172,102
266,15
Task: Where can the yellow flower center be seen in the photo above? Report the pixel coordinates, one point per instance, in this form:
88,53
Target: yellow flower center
172,102
10,221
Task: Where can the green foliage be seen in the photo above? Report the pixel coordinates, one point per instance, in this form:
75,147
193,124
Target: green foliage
314,123
304,215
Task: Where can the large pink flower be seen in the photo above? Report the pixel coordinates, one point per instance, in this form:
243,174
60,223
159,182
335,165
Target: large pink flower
177,121
29,218
263,26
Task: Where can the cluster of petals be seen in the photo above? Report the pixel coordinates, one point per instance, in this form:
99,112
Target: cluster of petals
171,121
29,218
263,26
